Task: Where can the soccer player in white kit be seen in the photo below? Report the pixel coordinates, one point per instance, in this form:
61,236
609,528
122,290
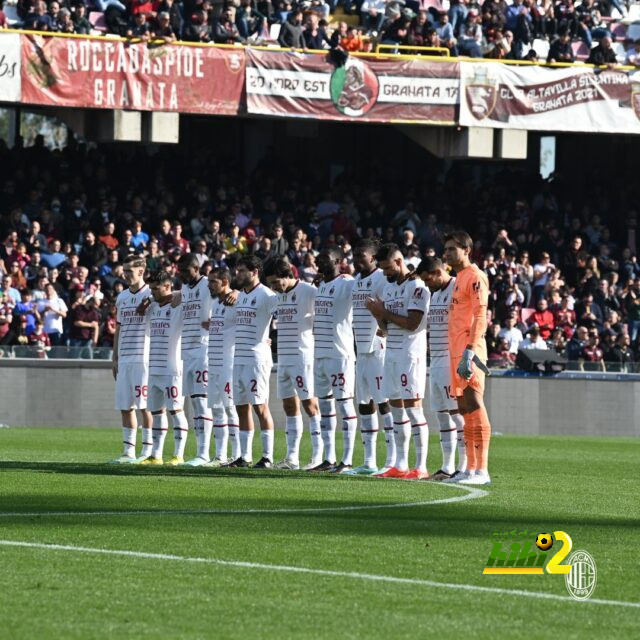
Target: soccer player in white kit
165,367
294,318
196,302
334,372
252,360
130,356
371,348
222,332
441,285
403,312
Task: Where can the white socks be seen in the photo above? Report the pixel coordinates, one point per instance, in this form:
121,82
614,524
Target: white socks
316,439
180,430
294,436
267,444
129,442
202,422
387,421
220,432
147,441
458,420
328,424
369,431
246,445
420,432
159,429
234,432
349,429
448,437
402,434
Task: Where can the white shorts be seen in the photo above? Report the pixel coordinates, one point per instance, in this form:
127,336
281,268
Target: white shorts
165,392
251,383
220,390
132,386
295,379
334,376
405,380
195,377
440,398
370,377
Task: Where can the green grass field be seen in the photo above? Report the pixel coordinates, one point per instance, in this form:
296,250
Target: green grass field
226,547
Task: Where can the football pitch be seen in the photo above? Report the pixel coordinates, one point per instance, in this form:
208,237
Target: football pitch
93,551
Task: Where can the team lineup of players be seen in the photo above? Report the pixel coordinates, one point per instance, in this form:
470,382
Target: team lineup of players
348,338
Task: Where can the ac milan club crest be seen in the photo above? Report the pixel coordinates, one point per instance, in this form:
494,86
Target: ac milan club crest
481,94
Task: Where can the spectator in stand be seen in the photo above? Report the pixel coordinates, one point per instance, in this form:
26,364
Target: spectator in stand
291,32
93,254
279,244
592,355
139,238
501,356
533,340
444,29
9,290
588,313
511,333
576,344
139,28
39,20
315,37
85,323
180,244
199,29
541,274
108,238
471,38
603,53
543,319
633,54
28,309
373,15
40,340
234,242
200,252
225,30
620,357
560,49
164,31
82,24
53,311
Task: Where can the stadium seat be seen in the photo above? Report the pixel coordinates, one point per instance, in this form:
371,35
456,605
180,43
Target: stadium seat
353,20
633,32
580,50
274,32
618,30
98,22
11,13
526,313
541,47
621,52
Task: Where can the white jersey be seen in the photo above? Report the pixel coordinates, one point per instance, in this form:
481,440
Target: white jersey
254,311
439,325
222,334
365,326
196,302
295,324
332,323
410,295
166,330
133,341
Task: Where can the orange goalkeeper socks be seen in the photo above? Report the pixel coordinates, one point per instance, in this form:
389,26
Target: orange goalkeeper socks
469,442
481,428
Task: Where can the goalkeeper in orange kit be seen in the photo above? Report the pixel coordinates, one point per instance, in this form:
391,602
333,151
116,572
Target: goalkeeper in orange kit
468,352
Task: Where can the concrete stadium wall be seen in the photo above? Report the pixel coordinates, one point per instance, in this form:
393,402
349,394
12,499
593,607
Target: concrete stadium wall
81,393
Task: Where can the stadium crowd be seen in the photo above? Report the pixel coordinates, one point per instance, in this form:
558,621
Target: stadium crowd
562,275
493,28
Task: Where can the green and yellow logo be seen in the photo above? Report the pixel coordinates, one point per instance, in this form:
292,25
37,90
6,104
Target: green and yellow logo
520,553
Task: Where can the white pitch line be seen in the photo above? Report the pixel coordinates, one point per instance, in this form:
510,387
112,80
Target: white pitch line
472,494
317,572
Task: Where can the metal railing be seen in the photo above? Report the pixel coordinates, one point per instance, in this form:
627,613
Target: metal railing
56,353
393,48
358,54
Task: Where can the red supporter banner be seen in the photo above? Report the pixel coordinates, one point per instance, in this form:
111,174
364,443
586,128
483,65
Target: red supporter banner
573,98
113,74
291,84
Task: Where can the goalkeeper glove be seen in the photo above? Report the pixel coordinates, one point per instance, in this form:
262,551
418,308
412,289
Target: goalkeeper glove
464,369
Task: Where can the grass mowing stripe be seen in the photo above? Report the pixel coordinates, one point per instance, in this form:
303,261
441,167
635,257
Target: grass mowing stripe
472,494
318,572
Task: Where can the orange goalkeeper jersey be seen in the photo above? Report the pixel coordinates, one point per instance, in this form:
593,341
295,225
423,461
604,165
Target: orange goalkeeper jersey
468,312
